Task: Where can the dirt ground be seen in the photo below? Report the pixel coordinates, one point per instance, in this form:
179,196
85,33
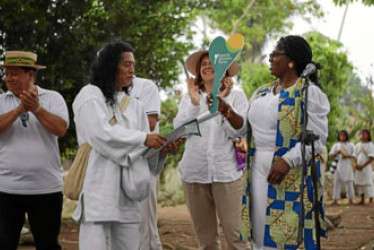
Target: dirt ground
355,231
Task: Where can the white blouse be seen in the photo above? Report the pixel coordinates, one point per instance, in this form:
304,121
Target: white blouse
344,169
211,157
364,176
263,117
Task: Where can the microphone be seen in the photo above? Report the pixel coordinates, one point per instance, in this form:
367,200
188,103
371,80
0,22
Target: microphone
309,69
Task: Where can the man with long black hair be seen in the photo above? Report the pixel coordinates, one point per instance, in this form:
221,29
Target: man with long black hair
106,209
147,93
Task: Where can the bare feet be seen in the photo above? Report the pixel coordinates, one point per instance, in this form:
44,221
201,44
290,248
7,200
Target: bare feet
361,203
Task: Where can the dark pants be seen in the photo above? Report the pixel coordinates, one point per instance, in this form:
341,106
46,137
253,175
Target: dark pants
44,214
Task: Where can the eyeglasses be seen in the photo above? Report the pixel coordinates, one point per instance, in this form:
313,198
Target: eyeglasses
276,54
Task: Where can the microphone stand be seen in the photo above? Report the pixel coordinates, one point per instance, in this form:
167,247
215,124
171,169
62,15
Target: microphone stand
307,137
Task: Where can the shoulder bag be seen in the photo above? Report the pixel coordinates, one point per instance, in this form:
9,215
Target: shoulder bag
73,182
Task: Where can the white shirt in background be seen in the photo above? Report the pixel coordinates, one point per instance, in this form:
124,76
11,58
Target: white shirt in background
147,93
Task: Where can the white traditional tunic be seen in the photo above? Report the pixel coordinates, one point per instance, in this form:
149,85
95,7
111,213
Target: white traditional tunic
113,147
263,117
211,157
344,170
364,177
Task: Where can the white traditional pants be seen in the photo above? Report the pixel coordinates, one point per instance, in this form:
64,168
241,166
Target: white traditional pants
149,238
337,188
108,235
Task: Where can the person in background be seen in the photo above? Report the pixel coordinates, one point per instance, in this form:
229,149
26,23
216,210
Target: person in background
147,93
31,121
343,151
212,182
364,153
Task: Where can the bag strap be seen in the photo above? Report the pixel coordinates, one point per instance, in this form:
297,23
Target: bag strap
343,149
363,150
122,107
124,103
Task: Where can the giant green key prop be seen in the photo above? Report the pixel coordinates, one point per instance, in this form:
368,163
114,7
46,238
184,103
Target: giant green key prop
222,55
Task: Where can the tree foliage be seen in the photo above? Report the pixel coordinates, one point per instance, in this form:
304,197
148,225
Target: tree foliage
258,20
169,112
359,105
58,32
254,75
367,99
334,75
343,2
67,34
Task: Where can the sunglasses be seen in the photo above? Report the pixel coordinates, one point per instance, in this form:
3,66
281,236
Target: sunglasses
276,54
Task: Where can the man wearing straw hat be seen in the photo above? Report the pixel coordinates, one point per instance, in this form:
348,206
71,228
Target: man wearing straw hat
31,120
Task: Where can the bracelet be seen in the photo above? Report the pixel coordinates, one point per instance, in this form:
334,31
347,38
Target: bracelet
37,109
16,111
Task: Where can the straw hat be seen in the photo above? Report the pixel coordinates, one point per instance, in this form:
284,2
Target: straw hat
21,59
194,58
